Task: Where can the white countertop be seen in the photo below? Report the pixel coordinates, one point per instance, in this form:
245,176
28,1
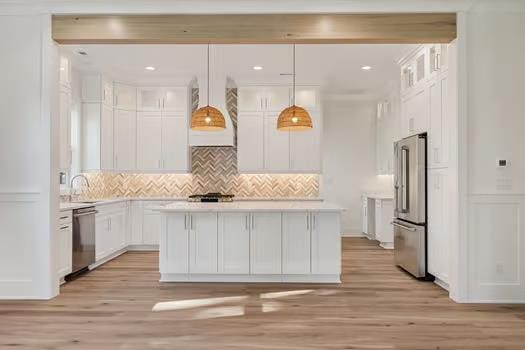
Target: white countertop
243,206
103,201
378,195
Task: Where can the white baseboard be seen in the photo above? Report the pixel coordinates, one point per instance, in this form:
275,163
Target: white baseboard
228,278
143,247
441,283
355,234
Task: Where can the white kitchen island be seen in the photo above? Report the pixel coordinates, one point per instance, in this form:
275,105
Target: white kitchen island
257,241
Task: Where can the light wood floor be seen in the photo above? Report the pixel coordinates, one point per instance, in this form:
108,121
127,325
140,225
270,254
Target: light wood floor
376,307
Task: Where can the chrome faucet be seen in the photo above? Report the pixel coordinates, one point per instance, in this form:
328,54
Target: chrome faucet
71,184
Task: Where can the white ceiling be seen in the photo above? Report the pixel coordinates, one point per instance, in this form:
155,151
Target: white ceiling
337,68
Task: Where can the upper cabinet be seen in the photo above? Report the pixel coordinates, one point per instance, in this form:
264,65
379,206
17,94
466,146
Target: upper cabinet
65,128
125,97
264,149
387,132
96,88
154,99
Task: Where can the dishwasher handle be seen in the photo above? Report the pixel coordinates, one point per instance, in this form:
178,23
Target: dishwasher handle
86,213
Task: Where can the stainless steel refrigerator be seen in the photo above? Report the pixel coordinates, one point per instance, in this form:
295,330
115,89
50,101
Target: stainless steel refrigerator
410,207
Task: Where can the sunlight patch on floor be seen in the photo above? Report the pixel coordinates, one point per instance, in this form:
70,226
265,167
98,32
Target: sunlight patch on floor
195,303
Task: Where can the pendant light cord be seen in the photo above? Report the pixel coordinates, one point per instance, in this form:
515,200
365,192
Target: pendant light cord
208,73
293,92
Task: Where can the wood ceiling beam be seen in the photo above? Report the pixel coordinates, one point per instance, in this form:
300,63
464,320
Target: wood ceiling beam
393,28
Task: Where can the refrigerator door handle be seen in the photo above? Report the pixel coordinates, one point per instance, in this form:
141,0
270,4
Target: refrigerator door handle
412,229
404,179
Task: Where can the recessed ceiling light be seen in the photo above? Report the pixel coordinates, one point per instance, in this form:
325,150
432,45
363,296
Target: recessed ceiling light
149,68
366,68
257,68
82,52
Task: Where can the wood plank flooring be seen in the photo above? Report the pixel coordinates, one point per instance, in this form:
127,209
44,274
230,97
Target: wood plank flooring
376,307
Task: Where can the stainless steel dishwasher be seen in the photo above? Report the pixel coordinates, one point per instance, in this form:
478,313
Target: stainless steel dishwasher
83,239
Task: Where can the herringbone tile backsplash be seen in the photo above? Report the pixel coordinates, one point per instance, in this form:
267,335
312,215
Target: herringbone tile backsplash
213,169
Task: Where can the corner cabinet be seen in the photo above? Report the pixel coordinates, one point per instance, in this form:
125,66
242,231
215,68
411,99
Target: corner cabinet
264,149
251,246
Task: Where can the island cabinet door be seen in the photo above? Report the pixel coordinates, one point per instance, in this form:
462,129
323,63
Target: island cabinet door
326,243
265,243
203,242
174,241
234,243
296,243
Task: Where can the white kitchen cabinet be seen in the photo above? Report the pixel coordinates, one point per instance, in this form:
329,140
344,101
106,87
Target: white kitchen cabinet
415,113
149,99
264,149
156,99
250,141
325,243
174,254
438,59
97,137
296,243
305,148
97,88
175,149
162,142
368,217
265,243
125,97
125,141
251,99
111,225
151,227
234,243
149,141
277,98
203,242
438,233
65,129
438,131
384,232
276,146
65,246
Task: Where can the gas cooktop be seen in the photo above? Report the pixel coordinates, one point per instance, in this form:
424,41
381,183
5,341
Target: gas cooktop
211,197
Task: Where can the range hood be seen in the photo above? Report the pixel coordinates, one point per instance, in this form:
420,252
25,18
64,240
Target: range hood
218,85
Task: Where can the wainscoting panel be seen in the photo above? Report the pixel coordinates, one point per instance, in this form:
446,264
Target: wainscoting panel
496,251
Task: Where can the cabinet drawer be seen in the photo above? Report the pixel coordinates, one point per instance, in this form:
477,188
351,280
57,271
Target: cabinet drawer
65,217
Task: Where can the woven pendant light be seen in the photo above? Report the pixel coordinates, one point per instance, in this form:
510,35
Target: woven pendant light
208,118
294,118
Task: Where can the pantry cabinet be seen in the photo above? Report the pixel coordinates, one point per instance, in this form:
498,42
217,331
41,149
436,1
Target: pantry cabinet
264,149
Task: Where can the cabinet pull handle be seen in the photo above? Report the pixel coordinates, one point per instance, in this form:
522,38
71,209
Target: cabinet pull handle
64,227
64,217
246,222
308,221
438,61
253,221
191,222
314,222
185,221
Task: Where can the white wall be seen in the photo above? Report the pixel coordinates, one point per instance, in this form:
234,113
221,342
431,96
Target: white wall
492,103
28,201
348,156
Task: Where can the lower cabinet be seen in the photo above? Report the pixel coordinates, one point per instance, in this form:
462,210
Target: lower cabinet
234,243
110,229
203,242
326,243
65,246
256,245
384,232
296,243
265,243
